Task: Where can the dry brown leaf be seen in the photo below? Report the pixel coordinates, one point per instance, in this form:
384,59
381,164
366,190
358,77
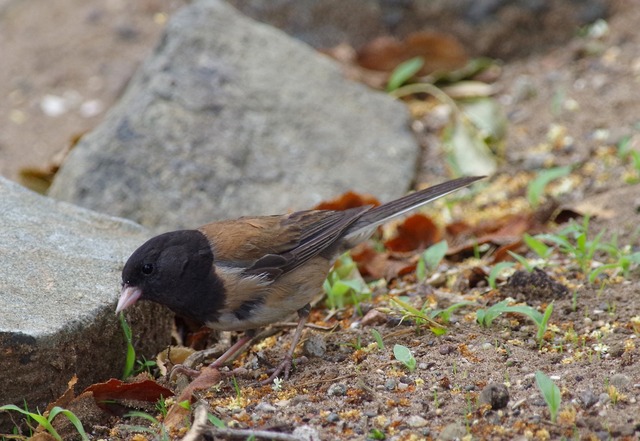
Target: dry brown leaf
440,52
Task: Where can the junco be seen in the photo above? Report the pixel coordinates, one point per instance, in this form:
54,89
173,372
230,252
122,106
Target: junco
246,273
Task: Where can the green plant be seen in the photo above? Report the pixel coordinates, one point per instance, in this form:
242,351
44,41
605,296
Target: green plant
485,317
215,421
404,72
131,352
46,421
573,241
404,355
496,271
162,435
419,315
445,314
376,434
378,338
550,392
345,285
431,258
161,406
543,178
622,257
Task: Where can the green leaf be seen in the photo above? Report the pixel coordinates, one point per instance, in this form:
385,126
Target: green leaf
215,421
71,417
130,360
537,246
403,354
434,254
44,422
467,149
404,72
550,392
537,186
523,261
487,115
496,271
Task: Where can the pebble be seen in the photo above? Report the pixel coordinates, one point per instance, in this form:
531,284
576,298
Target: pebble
306,433
604,398
337,389
265,407
314,346
495,394
422,366
587,398
453,431
446,349
333,417
416,421
390,384
620,381
403,386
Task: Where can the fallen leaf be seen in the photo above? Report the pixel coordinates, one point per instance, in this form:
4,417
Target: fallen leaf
172,356
348,200
416,232
114,389
208,377
440,52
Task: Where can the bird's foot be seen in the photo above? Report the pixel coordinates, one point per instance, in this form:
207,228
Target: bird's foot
285,365
182,369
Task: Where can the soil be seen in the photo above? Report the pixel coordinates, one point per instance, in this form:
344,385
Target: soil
568,105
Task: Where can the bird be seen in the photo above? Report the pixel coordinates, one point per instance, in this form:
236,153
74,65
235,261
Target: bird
244,274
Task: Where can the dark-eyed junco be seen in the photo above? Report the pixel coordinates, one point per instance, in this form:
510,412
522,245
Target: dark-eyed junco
246,273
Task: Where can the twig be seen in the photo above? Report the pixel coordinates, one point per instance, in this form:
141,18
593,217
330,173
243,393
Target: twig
326,381
200,427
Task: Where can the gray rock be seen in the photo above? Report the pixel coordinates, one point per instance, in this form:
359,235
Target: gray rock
314,346
231,117
495,394
337,390
59,282
620,381
453,431
416,421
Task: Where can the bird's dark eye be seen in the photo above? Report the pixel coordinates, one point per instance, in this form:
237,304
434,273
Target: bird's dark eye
147,269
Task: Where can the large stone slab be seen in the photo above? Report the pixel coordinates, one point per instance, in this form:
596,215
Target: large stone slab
231,117
59,282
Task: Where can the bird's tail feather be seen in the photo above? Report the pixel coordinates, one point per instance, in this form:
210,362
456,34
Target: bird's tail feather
370,220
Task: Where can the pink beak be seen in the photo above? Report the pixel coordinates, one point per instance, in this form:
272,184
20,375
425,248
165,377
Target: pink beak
128,296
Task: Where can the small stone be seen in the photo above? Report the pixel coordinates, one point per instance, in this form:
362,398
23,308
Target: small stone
314,346
333,417
620,381
453,431
604,398
337,390
446,349
403,386
265,407
306,433
416,421
587,398
423,366
374,317
390,384
495,394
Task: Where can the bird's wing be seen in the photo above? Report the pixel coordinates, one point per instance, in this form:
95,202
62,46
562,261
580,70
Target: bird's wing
273,245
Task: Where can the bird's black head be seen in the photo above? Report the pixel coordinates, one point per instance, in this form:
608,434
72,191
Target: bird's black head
176,270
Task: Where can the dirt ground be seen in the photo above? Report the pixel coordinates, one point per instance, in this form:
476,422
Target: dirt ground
570,105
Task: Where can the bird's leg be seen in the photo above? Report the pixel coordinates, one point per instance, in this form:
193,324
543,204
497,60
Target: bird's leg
285,365
230,353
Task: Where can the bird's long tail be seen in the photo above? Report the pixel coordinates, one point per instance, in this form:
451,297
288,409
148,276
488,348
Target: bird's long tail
370,220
